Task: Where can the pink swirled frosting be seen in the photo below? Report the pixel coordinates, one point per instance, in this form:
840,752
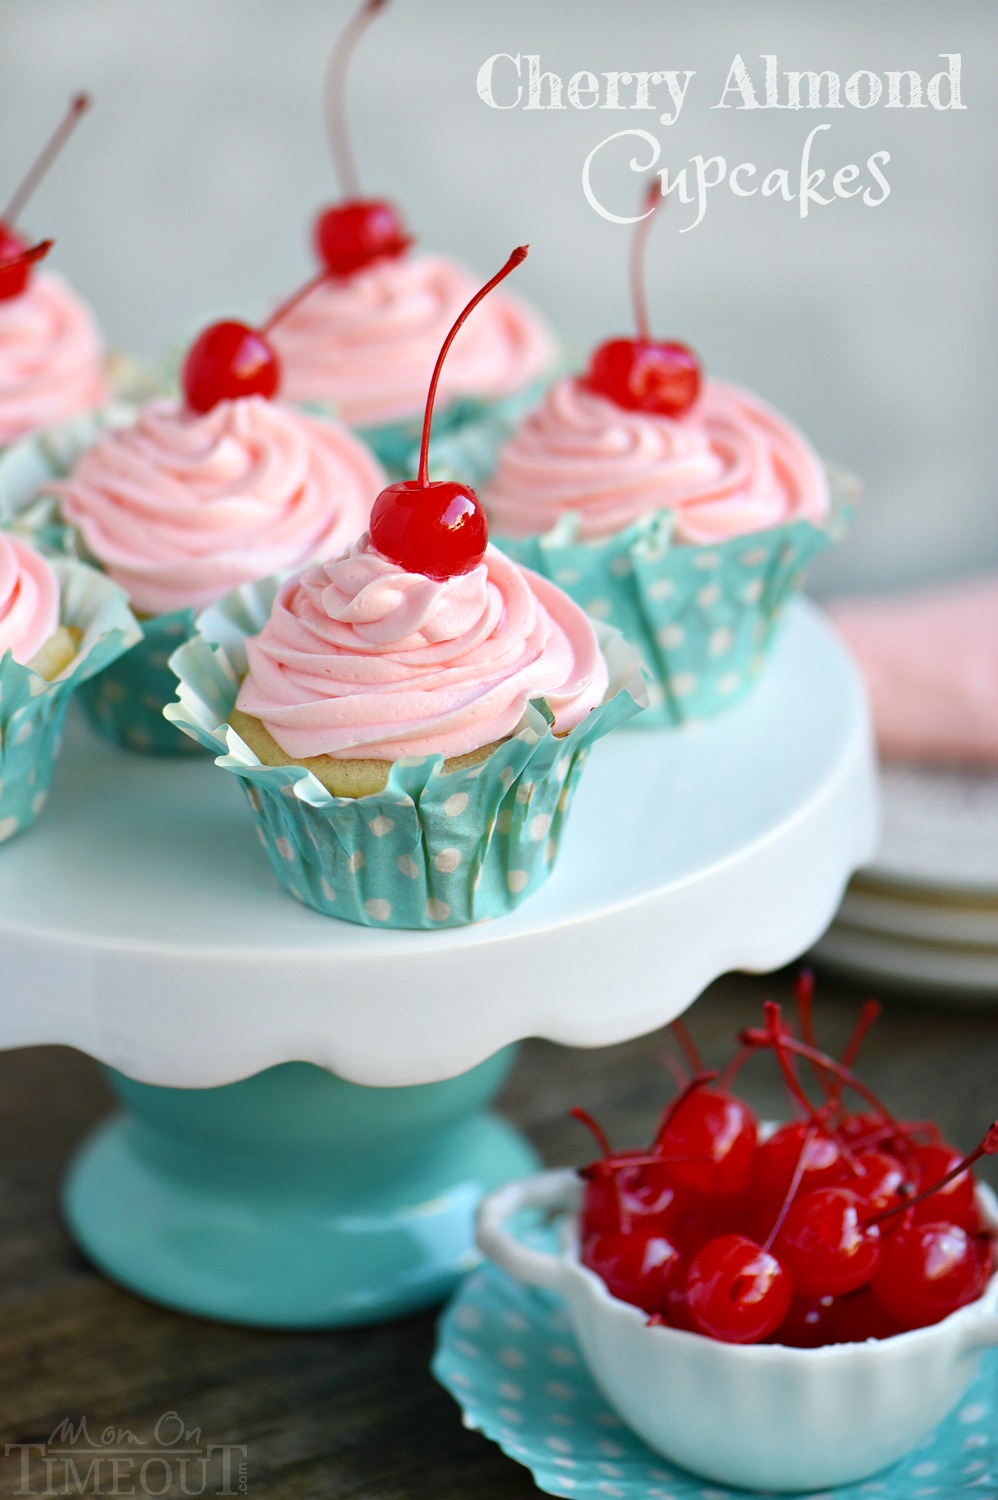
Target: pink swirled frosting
366,344
50,358
179,508
362,659
29,599
728,467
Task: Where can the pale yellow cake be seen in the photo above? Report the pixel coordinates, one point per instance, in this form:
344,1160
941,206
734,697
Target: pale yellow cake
344,778
57,652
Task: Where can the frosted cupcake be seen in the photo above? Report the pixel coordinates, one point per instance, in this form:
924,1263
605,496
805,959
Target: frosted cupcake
199,495
60,622
683,510
364,341
408,719
51,354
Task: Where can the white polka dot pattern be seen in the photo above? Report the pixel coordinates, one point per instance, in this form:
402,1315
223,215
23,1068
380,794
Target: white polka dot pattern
699,615
506,1357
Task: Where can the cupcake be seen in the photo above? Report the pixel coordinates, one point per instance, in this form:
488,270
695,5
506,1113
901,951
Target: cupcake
410,718
197,496
681,509
364,341
60,622
51,355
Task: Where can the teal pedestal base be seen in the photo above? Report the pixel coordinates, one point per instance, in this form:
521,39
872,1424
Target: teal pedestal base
293,1199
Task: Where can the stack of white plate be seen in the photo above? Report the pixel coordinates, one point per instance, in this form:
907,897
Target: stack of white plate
925,914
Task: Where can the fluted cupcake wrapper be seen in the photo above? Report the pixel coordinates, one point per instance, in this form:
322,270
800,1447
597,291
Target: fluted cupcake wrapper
32,710
125,702
704,618
467,436
435,848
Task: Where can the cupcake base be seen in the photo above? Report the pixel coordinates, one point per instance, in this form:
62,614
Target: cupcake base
344,778
316,1230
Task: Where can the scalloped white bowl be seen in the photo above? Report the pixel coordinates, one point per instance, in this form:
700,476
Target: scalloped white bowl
756,1416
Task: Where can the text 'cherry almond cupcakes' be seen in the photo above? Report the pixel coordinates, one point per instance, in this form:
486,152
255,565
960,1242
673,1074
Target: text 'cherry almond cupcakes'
681,510
410,718
60,623
364,341
196,496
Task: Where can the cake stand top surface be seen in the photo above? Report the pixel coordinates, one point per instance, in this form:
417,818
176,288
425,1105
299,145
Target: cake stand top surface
140,922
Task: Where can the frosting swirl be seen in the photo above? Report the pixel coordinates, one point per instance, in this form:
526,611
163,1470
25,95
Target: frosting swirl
50,358
361,659
180,508
729,466
367,343
29,599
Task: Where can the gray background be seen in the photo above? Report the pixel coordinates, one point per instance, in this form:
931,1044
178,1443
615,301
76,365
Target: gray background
190,187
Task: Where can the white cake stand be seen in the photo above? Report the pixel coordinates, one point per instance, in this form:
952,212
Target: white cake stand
140,923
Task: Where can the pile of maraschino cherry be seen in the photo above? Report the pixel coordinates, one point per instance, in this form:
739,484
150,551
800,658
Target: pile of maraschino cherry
845,1224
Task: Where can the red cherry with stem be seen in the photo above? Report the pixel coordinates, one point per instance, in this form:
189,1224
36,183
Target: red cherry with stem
825,1244
230,360
954,1200
662,379
226,362
926,1272
439,528
635,1267
14,275
958,1170
358,231
776,1162
717,1132
15,267
737,1291
882,1181
354,234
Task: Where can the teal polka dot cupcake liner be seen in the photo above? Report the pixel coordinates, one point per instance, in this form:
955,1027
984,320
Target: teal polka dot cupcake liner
704,618
467,436
507,1354
435,848
32,710
125,702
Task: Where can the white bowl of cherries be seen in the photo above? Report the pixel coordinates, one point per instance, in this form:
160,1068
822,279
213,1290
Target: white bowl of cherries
776,1308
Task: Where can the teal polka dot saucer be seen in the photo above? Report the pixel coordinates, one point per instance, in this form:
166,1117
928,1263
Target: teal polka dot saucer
507,1355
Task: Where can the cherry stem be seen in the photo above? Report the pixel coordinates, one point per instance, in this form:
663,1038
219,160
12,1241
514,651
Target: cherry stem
779,1040
607,1166
45,158
602,1139
335,96
28,257
867,1017
676,1071
672,1108
290,303
691,1051
753,1037
517,258
987,1147
804,996
639,241
795,1183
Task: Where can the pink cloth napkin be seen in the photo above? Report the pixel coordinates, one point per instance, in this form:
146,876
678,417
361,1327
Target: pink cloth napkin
930,660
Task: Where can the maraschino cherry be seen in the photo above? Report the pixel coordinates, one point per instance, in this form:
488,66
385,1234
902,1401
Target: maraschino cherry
229,360
16,255
662,379
435,528
358,231
14,271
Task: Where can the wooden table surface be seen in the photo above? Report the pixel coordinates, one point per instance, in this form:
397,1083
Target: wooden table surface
357,1414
